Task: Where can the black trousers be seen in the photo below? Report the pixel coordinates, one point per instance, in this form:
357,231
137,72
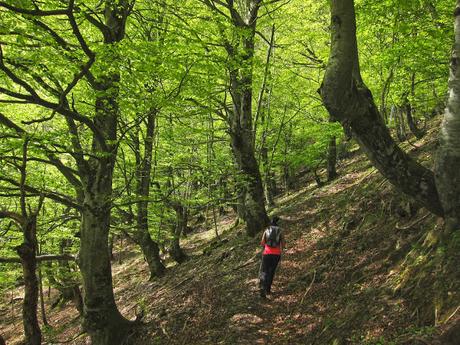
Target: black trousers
267,271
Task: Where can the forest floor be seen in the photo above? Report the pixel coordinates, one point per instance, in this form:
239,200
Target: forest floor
354,272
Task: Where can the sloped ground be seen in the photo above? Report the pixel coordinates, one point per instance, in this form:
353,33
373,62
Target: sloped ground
356,271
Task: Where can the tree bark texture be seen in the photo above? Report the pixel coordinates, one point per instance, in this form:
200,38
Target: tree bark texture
27,256
102,319
241,130
348,99
447,167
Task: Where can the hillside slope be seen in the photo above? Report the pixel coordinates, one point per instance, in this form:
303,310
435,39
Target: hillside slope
359,269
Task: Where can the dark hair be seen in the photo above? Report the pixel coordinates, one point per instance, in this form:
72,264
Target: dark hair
275,220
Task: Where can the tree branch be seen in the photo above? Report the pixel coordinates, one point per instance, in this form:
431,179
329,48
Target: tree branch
40,258
76,31
63,199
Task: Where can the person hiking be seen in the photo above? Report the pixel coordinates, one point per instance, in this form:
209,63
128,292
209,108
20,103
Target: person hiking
273,243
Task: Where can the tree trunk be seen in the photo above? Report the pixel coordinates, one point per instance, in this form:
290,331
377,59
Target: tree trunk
151,251
332,157
26,252
77,299
263,109
270,183
42,299
447,166
241,56
411,121
102,320
348,99
400,125
252,195
384,94
181,224
143,177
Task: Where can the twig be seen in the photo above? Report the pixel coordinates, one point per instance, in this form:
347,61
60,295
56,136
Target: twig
452,315
309,287
407,227
421,340
381,184
163,329
68,341
181,282
373,170
248,262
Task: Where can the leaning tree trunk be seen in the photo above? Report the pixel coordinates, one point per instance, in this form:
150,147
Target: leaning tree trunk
447,166
27,252
347,99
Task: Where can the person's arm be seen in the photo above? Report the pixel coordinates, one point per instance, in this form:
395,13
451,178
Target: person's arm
262,240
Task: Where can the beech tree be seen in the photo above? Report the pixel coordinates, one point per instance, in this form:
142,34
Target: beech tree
27,251
243,17
93,136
